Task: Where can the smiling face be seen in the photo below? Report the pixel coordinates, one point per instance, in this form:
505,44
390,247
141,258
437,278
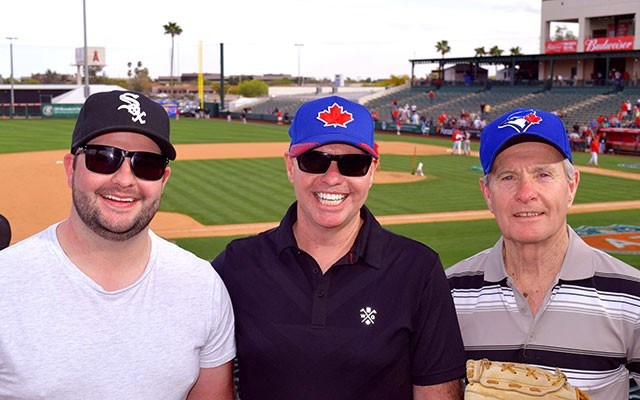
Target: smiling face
529,193
114,206
330,200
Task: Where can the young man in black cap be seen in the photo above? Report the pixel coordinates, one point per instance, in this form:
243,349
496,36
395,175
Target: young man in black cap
329,305
97,306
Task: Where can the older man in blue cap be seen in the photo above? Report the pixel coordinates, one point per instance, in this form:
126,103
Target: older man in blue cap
541,295
329,305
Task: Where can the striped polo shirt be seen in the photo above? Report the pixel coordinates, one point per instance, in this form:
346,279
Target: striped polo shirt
588,325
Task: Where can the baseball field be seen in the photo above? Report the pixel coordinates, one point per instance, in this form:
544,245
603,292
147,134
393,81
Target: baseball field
229,181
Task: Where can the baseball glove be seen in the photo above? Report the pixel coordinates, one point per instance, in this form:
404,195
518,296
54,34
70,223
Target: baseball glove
495,380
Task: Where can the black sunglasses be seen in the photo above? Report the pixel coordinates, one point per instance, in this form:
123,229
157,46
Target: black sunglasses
107,160
317,162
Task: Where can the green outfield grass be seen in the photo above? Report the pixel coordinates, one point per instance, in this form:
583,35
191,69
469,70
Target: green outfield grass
257,190
454,241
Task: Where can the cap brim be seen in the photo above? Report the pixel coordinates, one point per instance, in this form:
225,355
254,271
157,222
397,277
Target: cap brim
321,140
166,148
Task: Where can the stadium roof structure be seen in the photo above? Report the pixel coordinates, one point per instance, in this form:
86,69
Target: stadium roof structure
525,58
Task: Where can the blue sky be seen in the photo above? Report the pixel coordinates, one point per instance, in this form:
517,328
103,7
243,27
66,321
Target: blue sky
356,38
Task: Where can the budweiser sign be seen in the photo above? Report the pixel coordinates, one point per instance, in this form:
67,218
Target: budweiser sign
561,46
618,43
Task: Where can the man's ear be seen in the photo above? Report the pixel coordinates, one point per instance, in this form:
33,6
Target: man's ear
288,162
573,186
68,162
486,193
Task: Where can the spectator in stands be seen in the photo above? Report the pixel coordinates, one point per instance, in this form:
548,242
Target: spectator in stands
588,137
431,96
286,117
602,140
575,140
442,118
415,118
576,127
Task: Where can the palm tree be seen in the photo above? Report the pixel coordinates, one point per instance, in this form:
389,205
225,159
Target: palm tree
443,48
496,51
174,30
515,51
480,52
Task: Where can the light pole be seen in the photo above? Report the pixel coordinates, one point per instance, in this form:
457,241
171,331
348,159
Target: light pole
11,105
86,55
299,46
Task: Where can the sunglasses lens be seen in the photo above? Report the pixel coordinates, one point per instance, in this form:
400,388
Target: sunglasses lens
148,166
102,159
314,162
107,160
354,164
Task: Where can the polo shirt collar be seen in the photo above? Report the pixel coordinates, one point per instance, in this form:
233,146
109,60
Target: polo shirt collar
578,262
368,245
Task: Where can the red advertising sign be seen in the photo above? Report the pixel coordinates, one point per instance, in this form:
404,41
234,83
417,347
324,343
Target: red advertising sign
619,43
560,46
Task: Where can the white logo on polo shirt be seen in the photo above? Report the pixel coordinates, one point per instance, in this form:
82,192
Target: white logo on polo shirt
368,315
133,106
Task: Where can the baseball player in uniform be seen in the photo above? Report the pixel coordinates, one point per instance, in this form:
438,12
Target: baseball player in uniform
541,295
329,305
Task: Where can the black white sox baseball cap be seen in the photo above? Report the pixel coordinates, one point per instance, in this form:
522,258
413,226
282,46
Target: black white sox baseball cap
123,111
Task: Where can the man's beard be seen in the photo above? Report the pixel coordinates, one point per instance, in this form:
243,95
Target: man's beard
90,214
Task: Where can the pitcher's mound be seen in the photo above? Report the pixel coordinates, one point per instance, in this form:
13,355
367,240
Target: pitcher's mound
395,177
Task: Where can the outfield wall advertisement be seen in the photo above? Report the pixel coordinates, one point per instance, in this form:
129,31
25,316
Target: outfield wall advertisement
60,110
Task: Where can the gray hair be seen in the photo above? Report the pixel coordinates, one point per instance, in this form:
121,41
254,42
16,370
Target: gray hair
569,171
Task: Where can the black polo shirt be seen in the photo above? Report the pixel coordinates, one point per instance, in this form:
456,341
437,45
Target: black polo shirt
380,320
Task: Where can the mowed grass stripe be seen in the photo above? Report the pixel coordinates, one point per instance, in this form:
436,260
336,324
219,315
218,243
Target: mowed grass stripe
257,190
229,191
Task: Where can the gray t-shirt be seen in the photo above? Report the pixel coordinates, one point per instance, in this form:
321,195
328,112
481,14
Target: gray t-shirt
62,336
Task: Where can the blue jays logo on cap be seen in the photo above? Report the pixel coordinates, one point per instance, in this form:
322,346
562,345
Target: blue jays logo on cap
331,119
521,121
335,116
522,125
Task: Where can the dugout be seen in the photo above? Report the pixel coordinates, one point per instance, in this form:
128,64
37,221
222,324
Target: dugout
622,140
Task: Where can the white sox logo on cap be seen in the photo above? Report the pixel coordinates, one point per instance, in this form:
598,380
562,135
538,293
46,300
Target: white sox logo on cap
133,107
335,116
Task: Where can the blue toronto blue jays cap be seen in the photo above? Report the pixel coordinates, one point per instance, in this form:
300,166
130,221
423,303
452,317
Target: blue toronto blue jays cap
331,120
122,111
522,125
